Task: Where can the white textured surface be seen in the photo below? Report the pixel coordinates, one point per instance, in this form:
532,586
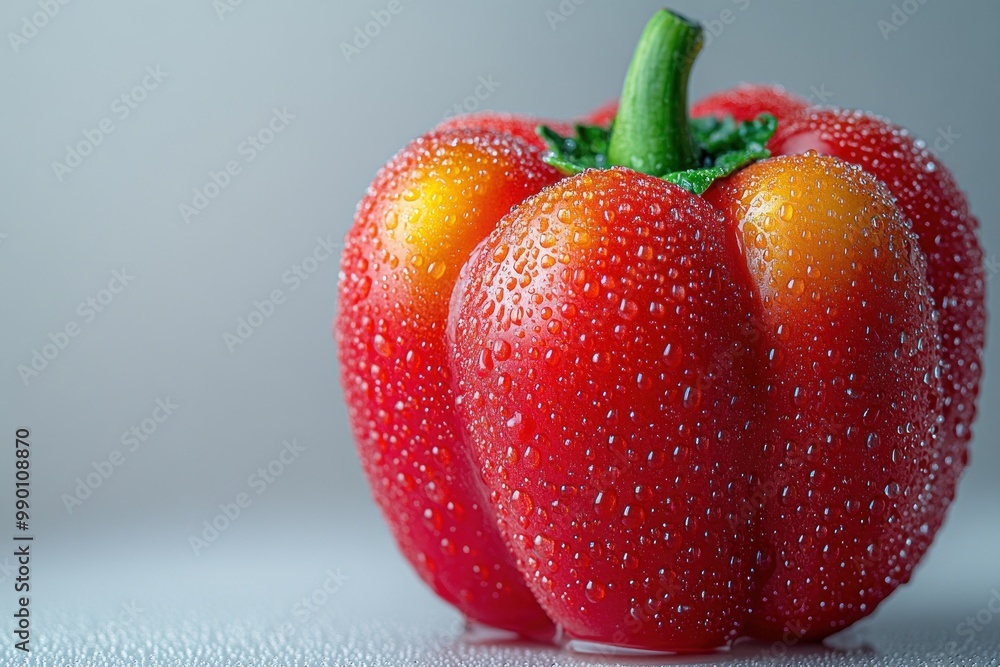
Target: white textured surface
251,640
236,604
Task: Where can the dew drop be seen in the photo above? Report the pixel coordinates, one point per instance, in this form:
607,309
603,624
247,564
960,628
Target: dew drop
501,350
594,591
605,503
692,397
628,309
437,269
500,253
545,546
532,458
633,516
391,219
786,212
672,354
521,503
485,363
656,459
382,345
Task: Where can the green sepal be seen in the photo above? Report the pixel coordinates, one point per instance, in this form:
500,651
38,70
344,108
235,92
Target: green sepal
723,147
586,149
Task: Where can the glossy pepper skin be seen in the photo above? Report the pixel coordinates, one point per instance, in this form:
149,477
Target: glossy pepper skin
927,195
422,216
581,345
658,419
851,387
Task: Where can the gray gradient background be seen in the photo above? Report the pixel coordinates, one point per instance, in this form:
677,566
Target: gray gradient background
163,335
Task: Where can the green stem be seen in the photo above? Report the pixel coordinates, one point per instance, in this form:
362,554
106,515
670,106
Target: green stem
651,132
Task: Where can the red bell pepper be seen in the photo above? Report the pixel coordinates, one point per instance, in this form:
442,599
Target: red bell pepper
670,382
